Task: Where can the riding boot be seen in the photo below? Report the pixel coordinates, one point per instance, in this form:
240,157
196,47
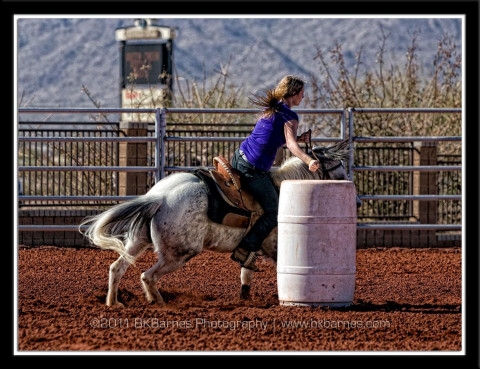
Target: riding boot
245,258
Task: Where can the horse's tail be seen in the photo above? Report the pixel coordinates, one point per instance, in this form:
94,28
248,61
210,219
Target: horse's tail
109,229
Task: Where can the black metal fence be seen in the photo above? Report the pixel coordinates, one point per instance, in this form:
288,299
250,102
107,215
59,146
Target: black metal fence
67,183
385,183
449,183
196,154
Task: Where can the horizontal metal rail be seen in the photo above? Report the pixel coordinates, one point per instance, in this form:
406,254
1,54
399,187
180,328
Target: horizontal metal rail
408,139
405,168
410,197
360,226
185,168
53,227
407,227
86,139
205,139
84,110
190,168
235,139
406,110
247,111
87,168
211,111
167,110
77,198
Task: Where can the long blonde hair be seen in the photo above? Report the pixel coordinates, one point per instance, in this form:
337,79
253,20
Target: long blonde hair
288,86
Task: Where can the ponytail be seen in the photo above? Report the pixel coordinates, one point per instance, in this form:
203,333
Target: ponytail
288,86
268,101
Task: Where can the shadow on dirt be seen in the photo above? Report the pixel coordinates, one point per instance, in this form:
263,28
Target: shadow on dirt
392,306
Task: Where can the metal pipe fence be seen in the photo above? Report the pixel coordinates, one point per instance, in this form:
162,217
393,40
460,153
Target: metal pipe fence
402,168
42,146
165,159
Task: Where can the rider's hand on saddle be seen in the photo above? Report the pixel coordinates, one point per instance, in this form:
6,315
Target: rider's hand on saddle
313,165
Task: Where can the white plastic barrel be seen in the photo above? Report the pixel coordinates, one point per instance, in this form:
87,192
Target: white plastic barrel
316,243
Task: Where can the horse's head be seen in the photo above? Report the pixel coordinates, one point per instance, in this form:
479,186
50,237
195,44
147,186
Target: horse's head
331,165
331,160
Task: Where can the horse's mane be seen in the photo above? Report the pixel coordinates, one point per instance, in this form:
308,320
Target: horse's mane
337,151
294,168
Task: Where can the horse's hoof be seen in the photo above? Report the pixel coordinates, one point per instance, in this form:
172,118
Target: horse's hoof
157,303
116,303
245,292
156,300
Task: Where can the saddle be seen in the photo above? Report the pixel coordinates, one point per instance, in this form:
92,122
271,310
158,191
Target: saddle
239,208
228,179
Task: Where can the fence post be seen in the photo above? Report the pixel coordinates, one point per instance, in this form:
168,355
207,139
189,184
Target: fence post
350,143
158,150
163,133
133,154
425,183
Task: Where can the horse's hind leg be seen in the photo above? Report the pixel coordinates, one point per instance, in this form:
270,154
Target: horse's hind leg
150,278
120,266
177,235
164,266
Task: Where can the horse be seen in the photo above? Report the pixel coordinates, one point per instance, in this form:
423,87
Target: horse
172,219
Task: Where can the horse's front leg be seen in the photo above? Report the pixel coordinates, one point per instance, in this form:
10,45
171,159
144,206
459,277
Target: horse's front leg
246,276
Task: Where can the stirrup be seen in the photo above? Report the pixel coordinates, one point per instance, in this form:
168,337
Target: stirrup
245,258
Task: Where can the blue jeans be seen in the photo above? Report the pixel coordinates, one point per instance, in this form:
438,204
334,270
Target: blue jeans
260,185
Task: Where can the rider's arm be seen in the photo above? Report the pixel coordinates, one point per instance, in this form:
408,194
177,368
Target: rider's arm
291,139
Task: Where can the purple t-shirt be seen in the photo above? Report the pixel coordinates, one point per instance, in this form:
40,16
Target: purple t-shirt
268,136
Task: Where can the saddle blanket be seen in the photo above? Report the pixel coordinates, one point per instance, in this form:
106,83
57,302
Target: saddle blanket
219,211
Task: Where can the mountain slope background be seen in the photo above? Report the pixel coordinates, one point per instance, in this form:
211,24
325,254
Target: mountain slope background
56,56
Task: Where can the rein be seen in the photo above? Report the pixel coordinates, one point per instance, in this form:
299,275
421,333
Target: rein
309,145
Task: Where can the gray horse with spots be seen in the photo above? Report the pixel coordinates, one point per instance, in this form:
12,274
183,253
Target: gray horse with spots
172,218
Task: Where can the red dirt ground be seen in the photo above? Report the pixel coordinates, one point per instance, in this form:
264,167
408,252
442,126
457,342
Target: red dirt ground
405,300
